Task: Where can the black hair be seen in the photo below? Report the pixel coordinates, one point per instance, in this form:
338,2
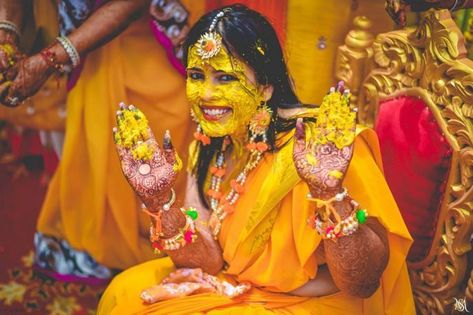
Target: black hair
247,35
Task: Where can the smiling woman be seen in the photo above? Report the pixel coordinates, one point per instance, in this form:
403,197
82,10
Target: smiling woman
269,222
223,92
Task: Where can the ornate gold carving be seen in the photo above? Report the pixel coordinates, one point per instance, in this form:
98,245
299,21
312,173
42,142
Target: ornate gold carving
429,62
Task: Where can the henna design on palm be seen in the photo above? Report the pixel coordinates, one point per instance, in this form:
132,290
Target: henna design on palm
151,179
321,165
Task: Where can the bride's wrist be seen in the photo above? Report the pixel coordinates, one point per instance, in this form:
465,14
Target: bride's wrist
325,194
172,229
336,216
163,200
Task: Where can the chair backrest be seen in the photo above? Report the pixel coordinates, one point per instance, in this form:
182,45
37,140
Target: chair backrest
415,87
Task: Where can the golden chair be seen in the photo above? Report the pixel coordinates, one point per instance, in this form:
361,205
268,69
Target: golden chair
415,87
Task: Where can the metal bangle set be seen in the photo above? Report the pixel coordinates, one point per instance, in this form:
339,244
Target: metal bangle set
10,27
70,50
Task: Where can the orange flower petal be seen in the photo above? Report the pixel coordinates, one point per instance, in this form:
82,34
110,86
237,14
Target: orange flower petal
228,208
261,146
220,173
251,146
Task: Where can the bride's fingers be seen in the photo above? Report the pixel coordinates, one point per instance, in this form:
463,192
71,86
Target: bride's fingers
300,135
170,153
122,152
205,288
184,274
340,86
134,134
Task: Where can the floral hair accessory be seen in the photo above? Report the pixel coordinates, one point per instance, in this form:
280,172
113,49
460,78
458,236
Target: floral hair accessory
210,43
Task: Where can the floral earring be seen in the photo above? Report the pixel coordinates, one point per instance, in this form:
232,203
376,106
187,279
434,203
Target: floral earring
199,134
258,128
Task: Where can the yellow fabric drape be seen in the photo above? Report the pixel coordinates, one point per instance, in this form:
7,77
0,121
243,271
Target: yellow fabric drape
308,21
89,203
267,241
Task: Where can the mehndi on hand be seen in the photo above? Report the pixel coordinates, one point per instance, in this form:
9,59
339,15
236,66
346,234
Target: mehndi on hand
29,74
10,55
150,170
323,159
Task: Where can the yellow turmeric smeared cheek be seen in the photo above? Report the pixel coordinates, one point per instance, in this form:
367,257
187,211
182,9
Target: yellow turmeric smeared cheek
241,95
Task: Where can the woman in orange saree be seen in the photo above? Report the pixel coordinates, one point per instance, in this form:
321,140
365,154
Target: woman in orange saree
277,229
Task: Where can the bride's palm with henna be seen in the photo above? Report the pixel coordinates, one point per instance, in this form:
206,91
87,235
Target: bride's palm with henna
150,170
323,161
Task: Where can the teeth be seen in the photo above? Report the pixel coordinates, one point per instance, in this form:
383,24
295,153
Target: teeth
215,112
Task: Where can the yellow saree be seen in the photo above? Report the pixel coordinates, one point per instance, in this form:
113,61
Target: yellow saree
267,242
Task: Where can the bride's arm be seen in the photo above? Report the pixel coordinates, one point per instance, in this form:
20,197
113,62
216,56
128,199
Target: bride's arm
151,171
205,253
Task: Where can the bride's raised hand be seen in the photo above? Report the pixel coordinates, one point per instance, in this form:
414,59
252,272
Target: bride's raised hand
150,170
323,159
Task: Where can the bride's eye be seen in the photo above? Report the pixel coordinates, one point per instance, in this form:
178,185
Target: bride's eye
195,75
227,78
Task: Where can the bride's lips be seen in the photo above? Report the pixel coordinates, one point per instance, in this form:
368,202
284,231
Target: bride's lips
214,113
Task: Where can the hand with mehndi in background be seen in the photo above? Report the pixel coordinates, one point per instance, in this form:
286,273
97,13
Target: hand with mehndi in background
29,74
10,55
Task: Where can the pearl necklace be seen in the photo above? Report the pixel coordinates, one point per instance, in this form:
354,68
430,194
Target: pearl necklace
221,205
